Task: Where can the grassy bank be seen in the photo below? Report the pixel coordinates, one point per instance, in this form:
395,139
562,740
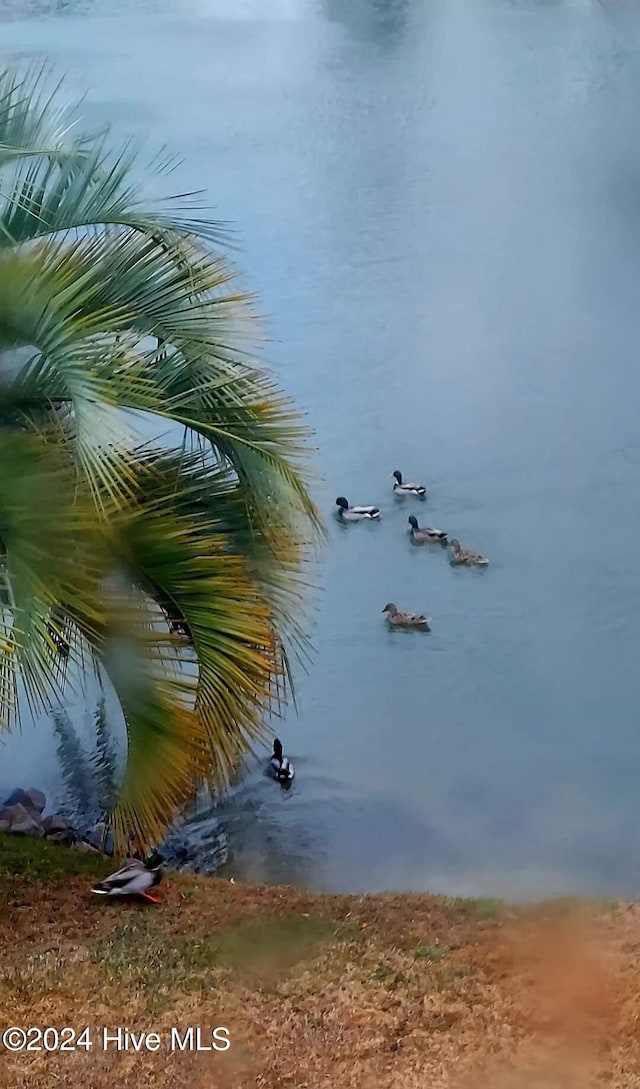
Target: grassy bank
404,991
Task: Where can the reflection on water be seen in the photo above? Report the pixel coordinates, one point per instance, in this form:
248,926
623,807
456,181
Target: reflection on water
381,21
437,205
49,9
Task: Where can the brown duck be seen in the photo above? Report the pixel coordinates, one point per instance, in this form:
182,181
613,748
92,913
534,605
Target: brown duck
465,556
397,619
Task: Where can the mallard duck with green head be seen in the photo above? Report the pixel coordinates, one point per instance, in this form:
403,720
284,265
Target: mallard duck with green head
426,535
280,766
404,487
135,878
355,514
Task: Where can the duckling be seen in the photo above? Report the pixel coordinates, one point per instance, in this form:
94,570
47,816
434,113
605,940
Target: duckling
420,536
397,619
280,765
404,488
134,879
465,556
355,514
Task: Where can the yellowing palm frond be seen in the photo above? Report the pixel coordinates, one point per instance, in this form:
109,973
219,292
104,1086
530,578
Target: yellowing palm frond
103,539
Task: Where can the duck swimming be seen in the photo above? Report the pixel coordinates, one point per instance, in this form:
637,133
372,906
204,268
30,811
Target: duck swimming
465,556
404,488
281,766
135,878
398,619
425,535
355,514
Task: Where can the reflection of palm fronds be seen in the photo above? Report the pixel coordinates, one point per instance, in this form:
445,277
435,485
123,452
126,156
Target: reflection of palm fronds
104,761
75,766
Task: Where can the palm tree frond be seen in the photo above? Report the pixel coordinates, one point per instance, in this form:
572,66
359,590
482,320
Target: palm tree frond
177,573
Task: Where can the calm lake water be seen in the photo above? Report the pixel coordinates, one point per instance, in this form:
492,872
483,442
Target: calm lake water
439,204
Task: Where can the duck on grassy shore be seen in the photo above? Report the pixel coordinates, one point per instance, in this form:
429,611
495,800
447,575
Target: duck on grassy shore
135,878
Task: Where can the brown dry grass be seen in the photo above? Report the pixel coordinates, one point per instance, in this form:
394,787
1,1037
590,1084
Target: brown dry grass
407,992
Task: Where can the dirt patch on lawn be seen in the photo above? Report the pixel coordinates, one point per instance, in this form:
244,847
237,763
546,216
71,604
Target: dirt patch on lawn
410,992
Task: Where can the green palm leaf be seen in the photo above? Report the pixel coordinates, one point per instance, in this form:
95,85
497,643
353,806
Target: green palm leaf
113,315
32,120
51,183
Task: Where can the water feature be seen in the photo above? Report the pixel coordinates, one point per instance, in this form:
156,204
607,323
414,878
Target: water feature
439,204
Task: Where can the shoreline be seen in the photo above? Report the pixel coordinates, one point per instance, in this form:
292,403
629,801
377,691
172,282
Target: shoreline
317,990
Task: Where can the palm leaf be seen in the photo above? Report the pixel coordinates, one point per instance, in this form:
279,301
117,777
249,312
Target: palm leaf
113,314
32,120
61,180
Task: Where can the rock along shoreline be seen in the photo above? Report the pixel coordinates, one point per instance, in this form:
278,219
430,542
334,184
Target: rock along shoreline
23,814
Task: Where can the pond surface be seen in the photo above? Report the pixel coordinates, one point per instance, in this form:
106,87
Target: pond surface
439,204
